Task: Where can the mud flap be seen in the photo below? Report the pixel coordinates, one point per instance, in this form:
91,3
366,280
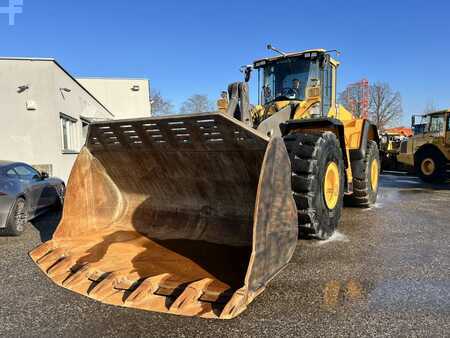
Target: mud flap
190,215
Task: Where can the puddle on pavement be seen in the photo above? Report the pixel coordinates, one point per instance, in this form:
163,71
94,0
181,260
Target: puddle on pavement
377,205
337,293
414,191
408,182
336,237
387,295
430,295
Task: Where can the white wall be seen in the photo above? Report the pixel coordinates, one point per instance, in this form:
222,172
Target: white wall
34,136
119,97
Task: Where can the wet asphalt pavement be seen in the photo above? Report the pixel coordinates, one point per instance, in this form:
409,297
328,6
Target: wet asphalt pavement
385,273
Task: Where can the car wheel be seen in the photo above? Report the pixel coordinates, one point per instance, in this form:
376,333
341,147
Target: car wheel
17,219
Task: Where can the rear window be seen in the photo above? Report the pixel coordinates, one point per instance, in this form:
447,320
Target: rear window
7,172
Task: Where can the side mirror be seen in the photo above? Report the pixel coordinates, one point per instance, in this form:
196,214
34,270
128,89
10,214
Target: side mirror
247,71
44,175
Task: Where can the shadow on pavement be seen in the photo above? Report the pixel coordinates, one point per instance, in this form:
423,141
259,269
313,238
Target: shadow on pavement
47,223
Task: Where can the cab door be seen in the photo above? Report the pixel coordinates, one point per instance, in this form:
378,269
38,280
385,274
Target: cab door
437,129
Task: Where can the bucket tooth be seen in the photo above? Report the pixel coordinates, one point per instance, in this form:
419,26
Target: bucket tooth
51,258
41,250
60,278
113,283
80,276
106,288
189,298
217,293
149,286
235,305
62,266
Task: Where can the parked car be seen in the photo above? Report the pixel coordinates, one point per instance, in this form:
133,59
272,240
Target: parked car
24,194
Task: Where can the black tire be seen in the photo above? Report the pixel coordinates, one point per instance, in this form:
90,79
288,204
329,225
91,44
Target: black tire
310,156
364,195
440,166
17,219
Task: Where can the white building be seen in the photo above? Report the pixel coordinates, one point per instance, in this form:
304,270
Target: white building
125,98
45,111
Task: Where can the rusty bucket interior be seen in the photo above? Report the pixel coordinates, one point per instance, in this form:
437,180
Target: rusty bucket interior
191,215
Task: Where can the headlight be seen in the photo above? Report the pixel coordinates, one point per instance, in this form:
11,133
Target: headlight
314,111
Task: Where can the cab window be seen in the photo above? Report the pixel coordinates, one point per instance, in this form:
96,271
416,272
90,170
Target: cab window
437,123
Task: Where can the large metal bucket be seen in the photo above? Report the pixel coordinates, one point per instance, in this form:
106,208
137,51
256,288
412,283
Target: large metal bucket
191,215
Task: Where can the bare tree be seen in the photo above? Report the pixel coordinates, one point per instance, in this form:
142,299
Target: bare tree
351,102
385,105
355,98
160,105
429,107
197,104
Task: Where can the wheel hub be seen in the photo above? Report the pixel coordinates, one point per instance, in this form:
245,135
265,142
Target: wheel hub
331,185
427,166
374,175
21,218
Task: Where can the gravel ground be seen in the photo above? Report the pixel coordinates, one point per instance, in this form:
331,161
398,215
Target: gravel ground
386,272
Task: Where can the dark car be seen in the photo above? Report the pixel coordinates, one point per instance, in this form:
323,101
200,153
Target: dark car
24,194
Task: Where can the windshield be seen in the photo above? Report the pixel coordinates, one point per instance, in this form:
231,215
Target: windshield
288,78
420,124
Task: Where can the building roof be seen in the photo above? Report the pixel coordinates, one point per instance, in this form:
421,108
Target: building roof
400,130
112,78
64,70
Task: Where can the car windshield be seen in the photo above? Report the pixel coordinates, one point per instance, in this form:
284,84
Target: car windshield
288,78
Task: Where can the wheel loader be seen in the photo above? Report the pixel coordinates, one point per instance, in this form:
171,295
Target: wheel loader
389,148
195,214
428,150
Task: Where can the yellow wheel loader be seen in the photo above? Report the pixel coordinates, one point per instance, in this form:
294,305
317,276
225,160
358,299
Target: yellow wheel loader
195,214
428,151
389,149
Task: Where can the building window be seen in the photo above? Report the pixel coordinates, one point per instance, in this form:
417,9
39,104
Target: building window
68,133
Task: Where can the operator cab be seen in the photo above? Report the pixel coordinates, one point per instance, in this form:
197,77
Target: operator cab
436,123
298,77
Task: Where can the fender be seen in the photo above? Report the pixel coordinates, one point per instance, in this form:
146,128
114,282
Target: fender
321,124
427,147
357,156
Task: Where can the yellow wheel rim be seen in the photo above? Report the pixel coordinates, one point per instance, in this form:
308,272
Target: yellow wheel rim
331,185
428,166
374,175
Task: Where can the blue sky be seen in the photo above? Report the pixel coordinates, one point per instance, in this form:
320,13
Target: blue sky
188,47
